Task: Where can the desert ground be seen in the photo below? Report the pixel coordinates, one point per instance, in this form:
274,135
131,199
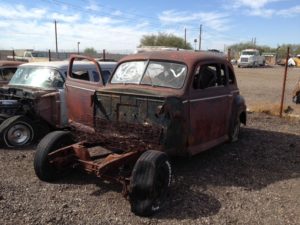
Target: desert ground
253,181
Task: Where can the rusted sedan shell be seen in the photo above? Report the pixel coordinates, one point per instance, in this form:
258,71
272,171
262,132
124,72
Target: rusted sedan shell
185,135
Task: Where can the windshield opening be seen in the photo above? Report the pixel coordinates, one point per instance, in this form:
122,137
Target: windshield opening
248,53
37,77
155,73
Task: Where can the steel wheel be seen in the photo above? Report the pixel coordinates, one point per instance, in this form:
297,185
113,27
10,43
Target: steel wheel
19,134
17,131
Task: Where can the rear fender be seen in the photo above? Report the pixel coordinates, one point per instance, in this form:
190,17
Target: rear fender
239,109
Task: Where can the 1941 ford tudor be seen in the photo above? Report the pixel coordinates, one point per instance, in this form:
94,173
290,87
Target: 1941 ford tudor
156,105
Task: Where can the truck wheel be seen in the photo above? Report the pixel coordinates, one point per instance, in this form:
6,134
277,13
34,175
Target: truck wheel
235,131
44,170
16,131
149,184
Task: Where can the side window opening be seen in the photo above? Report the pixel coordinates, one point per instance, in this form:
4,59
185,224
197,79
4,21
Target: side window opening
206,76
81,75
106,75
7,73
1,78
222,78
230,76
96,76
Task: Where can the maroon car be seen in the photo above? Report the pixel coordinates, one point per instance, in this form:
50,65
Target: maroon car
156,105
7,70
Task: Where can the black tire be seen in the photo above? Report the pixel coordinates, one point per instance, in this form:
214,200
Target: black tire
150,182
52,141
17,131
3,117
235,131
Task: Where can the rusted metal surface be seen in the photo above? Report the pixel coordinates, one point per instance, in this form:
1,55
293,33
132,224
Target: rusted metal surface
120,121
10,63
99,161
79,94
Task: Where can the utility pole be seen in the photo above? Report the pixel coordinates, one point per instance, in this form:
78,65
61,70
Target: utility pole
56,38
200,37
184,37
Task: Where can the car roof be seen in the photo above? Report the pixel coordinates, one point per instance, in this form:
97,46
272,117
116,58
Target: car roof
10,63
187,57
65,64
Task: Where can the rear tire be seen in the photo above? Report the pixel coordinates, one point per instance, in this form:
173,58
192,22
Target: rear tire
150,182
17,131
44,170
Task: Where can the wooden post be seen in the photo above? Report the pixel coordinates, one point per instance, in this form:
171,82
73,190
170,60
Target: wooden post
284,80
103,55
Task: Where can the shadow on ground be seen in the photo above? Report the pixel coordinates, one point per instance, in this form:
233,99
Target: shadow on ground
257,160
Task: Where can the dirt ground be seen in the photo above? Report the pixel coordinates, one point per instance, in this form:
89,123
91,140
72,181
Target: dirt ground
253,181
262,88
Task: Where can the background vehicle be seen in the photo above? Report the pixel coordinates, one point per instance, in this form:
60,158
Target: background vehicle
29,56
156,105
251,58
7,70
33,103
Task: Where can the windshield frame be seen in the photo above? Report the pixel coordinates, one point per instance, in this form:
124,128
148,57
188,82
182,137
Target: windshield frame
147,63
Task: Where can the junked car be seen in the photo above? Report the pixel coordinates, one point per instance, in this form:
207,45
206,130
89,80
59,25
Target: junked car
156,105
33,103
7,70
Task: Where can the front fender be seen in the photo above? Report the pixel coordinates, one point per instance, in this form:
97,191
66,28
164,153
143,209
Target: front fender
174,142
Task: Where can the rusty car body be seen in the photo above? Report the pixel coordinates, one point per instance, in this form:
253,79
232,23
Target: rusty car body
7,70
156,105
33,103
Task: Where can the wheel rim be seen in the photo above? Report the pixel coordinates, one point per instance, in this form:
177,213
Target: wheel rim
19,134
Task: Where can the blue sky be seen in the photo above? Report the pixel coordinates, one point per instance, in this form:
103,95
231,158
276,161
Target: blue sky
118,26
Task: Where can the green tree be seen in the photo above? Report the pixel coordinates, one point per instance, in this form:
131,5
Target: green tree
281,50
90,51
163,39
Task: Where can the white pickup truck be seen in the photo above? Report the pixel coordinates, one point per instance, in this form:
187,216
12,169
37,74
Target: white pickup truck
251,58
29,56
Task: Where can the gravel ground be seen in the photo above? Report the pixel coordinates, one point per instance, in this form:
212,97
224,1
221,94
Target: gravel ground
253,181
262,88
